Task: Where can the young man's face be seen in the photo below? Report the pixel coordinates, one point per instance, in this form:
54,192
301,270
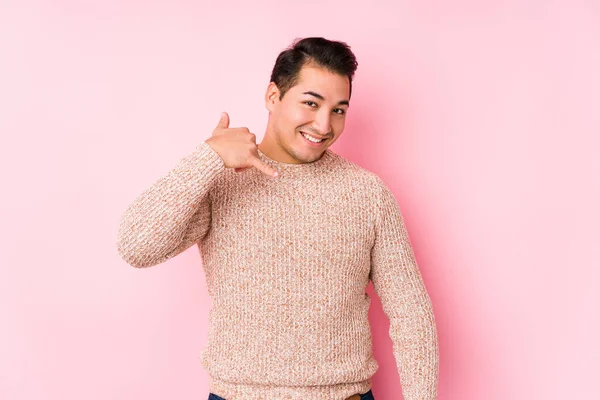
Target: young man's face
315,106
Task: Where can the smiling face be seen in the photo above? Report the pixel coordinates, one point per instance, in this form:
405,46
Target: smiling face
315,107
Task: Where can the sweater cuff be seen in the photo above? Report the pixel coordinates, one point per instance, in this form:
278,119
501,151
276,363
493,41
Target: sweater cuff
211,159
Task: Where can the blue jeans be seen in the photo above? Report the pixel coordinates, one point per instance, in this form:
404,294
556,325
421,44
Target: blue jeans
366,396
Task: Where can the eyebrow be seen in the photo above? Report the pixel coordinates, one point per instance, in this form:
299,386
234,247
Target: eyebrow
318,96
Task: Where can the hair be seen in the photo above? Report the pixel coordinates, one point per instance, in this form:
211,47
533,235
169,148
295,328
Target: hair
334,56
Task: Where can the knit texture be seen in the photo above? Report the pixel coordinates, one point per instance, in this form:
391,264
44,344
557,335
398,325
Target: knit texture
287,260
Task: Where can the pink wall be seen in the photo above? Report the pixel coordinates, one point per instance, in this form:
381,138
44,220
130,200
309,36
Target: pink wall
483,117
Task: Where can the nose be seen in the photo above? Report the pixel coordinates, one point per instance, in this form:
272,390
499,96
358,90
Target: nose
322,122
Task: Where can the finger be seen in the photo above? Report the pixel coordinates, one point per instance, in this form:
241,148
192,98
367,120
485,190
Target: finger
240,169
261,166
224,121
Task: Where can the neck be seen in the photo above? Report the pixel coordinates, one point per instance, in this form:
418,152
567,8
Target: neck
272,150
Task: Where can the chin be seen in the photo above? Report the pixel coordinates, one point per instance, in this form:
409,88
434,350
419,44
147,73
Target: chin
302,155
312,157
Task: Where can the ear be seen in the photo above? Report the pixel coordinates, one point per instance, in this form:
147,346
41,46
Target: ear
271,96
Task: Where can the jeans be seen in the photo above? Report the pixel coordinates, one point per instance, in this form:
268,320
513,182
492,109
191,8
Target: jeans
366,396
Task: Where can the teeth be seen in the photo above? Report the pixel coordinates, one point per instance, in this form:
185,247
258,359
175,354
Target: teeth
312,139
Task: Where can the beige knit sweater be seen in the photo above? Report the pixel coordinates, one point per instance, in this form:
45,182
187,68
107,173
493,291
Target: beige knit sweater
287,261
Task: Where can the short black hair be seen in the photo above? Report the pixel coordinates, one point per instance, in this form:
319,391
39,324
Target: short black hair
334,56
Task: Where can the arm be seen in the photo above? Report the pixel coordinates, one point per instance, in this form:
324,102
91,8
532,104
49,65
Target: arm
173,213
398,283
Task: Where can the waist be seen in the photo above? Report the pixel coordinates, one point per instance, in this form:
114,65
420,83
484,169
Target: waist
236,391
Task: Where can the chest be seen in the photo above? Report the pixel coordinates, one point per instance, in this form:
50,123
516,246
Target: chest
290,224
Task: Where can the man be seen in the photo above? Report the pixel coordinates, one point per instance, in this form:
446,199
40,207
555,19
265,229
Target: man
290,233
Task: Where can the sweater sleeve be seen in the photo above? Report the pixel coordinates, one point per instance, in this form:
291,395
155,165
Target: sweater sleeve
404,298
173,213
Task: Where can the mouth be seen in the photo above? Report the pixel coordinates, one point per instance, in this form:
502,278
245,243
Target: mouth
314,141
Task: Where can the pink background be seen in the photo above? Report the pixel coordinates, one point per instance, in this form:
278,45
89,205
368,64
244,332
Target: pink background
483,117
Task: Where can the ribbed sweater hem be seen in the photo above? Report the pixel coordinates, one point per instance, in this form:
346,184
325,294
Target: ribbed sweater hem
235,391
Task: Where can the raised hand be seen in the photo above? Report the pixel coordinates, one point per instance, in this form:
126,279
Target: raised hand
237,147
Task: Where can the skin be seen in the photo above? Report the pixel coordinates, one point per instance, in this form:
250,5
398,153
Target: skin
299,111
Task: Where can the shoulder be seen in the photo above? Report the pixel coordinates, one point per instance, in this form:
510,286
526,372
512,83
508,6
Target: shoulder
368,186
369,181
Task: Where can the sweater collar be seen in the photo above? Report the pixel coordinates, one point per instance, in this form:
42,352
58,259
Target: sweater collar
299,173
281,166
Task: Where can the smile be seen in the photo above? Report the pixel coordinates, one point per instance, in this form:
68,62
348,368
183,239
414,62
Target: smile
311,138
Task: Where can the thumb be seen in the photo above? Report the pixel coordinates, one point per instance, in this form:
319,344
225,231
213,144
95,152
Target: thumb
224,121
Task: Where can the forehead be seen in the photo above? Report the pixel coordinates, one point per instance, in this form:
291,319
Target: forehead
332,86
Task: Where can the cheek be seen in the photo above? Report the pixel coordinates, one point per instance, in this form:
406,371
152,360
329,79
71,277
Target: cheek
338,124
290,118
300,116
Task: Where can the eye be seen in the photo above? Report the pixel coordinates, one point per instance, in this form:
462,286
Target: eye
339,111
310,102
